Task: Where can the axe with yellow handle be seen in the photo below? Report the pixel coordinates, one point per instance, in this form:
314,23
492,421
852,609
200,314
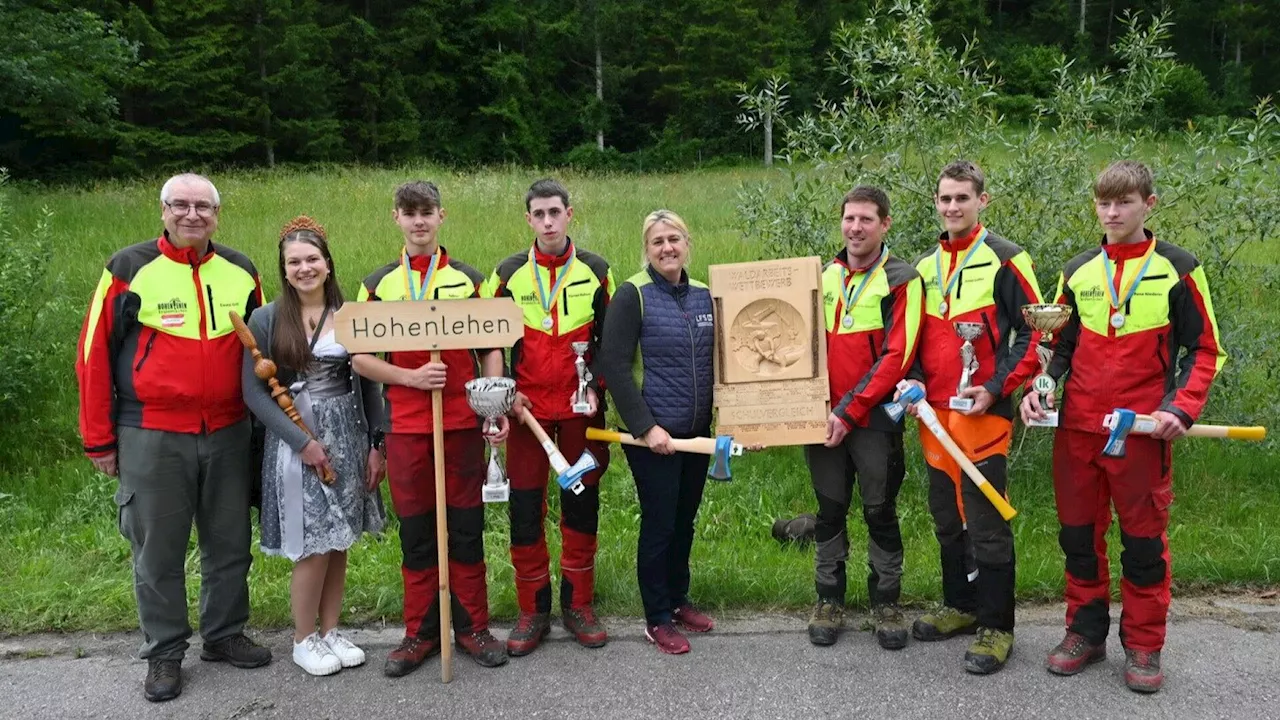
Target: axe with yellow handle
913,395
719,448
1122,422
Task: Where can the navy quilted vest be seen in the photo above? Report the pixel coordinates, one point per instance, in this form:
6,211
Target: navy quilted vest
677,342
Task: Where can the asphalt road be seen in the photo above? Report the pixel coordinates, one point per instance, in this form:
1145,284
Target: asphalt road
1222,660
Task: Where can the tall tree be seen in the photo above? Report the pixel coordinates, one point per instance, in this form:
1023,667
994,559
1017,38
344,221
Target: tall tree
59,75
193,102
721,44
379,120
295,82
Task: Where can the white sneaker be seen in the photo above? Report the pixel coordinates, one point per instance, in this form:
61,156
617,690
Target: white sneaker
314,656
347,652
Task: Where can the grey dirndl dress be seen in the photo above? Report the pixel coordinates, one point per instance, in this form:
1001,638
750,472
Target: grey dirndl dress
301,515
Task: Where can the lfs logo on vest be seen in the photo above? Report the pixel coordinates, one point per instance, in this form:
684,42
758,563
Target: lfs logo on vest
704,319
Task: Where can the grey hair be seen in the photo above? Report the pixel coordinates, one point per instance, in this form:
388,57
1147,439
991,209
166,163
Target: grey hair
166,192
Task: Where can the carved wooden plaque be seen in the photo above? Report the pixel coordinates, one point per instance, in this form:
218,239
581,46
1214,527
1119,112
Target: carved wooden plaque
771,352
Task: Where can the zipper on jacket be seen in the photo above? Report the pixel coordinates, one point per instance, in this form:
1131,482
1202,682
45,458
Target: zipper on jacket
693,360
1164,364
960,276
206,316
146,351
991,335
871,342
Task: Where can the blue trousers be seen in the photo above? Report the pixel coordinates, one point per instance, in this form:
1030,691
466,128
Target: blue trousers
670,491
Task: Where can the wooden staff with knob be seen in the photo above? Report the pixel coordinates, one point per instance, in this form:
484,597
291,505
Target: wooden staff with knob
265,369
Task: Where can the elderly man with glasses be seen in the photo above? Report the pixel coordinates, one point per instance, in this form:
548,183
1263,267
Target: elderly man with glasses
160,407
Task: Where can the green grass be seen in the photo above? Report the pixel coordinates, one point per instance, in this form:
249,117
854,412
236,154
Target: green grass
65,567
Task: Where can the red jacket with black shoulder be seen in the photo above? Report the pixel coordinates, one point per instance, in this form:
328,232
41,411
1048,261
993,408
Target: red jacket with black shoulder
157,349
1164,356
409,409
990,290
542,362
871,346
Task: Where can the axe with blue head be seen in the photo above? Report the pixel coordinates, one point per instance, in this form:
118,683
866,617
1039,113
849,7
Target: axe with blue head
1120,423
720,448
568,476
897,408
1124,422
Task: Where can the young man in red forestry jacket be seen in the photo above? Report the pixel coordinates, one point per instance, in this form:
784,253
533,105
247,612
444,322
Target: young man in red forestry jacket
563,291
1143,337
425,271
974,280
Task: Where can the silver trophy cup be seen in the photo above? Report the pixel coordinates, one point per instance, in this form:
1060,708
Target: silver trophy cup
968,331
581,404
492,397
1048,318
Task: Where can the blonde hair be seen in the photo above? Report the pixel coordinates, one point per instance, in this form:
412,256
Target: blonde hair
1122,178
662,216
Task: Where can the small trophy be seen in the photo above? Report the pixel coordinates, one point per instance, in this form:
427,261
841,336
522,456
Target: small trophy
581,405
968,331
492,397
1048,319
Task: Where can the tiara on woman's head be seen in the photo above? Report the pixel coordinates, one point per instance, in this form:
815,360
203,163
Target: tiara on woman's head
302,222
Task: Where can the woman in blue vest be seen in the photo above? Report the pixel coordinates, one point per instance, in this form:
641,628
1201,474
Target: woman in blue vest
656,357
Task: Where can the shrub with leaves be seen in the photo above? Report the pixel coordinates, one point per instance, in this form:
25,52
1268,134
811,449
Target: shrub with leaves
912,106
26,300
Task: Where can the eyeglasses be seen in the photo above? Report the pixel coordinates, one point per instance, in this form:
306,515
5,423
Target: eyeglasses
182,207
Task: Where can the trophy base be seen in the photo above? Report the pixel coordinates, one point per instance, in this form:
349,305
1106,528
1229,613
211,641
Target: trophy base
960,403
582,408
495,493
1050,420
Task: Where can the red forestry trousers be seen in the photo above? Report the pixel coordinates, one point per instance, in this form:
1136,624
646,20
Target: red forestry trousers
1086,484
527,467
411,472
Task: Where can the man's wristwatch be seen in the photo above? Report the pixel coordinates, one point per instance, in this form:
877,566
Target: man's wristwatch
378,440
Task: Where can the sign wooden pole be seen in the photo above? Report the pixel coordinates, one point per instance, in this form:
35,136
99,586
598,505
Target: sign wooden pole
442,531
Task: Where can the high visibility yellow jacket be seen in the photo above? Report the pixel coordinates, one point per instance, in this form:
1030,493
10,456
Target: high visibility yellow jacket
1136,366
409,409
990,289
542,362
157,349
871,346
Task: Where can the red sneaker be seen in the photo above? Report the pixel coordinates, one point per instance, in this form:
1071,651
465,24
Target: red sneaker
692,619
668,638
1074,654
585,627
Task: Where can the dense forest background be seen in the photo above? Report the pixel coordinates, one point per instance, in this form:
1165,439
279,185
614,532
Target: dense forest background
104,87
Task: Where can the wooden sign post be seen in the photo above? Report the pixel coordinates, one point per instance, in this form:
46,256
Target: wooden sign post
771,352
433,325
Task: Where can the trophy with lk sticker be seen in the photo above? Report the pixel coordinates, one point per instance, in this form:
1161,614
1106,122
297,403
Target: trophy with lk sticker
1047,318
